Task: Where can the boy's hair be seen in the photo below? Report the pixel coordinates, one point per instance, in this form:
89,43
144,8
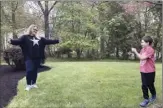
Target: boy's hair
148,39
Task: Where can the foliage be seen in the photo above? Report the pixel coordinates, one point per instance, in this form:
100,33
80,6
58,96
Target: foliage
14,58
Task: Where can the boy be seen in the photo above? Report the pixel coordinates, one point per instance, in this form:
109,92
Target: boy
147,69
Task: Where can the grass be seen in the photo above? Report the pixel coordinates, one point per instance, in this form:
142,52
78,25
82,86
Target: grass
87,85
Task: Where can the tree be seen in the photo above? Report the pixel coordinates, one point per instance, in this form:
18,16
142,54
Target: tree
46,11
148,16
74,23
107,12
14,5
9,11
92,29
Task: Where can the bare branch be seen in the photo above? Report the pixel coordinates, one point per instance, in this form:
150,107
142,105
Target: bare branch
52,6
6,16
46,6
151,8
39,3
33,7
16,6
154,3
160,3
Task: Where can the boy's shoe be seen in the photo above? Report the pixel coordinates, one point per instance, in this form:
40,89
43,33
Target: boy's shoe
28,87
153,98
144,103
34,86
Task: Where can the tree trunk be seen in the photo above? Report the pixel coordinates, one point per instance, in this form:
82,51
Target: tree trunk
161,58
108,49
102,50
87,54
117,52
78,53
46,19
158,35
125,55
134,56
93,53
14,6
146,20
46,12
139,28
69,55
157,55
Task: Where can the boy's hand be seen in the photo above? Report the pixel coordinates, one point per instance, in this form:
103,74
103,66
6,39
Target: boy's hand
133,50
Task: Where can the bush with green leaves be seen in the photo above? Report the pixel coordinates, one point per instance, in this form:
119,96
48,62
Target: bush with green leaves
14,57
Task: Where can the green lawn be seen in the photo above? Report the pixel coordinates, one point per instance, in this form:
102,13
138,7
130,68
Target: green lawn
86,85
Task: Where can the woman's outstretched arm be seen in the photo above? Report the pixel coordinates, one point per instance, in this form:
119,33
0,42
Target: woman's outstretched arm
50,41
18,41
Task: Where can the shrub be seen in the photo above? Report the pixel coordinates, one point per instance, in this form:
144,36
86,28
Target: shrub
14,57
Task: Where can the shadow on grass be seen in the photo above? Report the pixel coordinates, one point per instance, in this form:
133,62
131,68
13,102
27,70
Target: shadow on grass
9,80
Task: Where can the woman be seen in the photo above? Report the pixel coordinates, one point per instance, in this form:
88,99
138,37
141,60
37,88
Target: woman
33,50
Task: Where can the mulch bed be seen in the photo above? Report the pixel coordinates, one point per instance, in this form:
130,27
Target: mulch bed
9,79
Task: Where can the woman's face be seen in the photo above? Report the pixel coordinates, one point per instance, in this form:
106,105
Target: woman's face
34,30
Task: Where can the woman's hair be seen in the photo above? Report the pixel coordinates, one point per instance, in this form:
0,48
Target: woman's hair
29,29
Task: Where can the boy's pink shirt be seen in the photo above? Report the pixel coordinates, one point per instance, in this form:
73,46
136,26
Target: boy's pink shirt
147,65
